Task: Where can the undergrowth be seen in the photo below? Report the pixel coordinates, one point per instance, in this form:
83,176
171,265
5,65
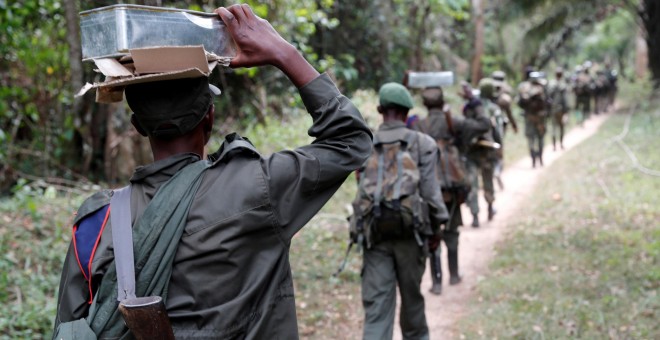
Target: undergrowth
584,261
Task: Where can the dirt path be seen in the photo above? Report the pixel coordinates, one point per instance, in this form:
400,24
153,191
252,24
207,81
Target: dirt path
476,246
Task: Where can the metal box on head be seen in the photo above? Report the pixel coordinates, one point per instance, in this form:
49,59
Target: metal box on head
113,30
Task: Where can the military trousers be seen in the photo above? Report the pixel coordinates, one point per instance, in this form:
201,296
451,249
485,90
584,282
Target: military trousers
483,164
386,265
535,131
583,106
450,233
558,125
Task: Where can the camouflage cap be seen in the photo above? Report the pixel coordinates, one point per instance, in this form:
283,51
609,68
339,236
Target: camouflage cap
170,108
498,75
487,88
395,94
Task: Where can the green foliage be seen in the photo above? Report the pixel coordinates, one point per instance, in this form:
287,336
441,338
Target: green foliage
34,235
582,263
34,69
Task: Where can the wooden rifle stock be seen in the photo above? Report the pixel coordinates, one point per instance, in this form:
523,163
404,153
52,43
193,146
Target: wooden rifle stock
147,318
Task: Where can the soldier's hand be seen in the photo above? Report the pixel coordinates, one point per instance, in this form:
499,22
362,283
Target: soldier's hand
259,44
434,242
257,41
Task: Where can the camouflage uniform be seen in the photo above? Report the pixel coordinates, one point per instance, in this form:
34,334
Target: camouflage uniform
532,99
480,158
613,78
503,99
436,126
602,90
401,261
557,93
583,89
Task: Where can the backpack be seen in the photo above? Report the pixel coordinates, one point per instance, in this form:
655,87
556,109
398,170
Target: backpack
388,205
583,85
452,173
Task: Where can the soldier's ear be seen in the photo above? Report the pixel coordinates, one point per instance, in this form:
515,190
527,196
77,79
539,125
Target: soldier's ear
380,109
137,126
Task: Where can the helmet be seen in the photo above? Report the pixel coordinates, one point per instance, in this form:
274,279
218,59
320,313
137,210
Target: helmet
487,88
498,75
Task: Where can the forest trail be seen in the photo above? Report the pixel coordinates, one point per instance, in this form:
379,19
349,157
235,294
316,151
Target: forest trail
477,245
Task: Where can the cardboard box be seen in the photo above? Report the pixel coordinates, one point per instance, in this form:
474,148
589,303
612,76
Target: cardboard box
148,65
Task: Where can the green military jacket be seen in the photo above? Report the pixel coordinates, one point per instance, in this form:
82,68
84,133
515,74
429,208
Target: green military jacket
231,276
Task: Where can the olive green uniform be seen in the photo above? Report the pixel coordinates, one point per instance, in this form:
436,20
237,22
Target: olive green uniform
557,92
436,126
480,160
583,89
231,276
533,101
402,261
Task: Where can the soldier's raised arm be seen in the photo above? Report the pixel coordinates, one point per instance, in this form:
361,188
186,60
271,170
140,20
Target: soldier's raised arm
302,180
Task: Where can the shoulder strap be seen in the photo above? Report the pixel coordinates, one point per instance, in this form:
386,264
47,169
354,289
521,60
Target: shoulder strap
379,181
122,241
376,140
409,139
450,125
157,232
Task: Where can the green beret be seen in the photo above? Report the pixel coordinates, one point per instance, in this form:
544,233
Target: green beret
395,94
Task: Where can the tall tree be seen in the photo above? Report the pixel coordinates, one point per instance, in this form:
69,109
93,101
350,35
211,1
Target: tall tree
478,12
649,12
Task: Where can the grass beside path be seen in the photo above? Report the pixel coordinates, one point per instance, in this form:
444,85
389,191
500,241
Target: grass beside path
583,260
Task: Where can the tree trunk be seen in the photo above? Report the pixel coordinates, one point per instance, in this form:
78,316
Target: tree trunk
420,27
478,40
77,75
651,18
641,55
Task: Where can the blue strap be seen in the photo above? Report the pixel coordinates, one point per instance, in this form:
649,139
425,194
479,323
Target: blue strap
86,234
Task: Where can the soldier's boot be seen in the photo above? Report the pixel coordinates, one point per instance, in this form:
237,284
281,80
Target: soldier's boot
540,158
533,155
436,278
491,211
475,221
452,261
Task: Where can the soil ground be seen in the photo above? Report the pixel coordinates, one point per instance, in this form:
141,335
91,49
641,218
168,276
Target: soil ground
477,245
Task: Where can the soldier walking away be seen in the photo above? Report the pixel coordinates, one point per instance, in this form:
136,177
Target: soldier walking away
602,91
532,99
488,97
612,75
397,212
557,89
448,132
583,90
480,155
504,99
219,256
